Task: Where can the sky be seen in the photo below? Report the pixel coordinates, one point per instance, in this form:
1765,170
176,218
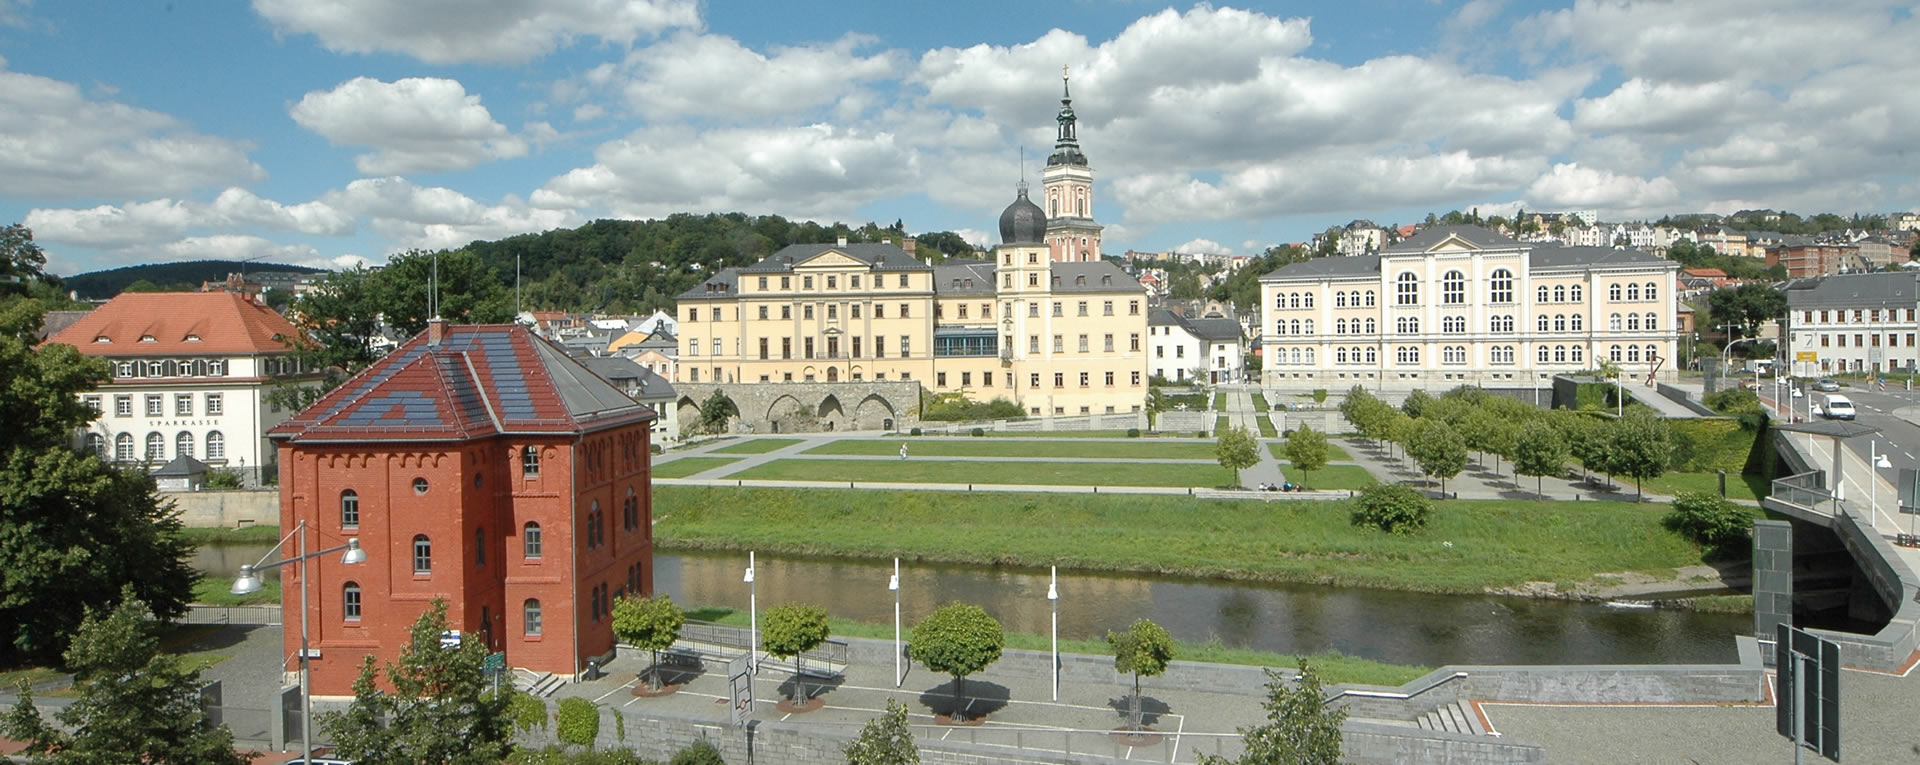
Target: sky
336,132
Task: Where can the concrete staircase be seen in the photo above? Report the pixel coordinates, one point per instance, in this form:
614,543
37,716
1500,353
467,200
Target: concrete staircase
538,684
1453,718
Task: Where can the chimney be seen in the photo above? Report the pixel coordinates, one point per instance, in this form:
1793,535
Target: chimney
908,244
843,241
436,331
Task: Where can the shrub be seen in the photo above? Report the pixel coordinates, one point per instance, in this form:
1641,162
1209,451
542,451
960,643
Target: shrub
223,478
655,448
1133,432
1716,524
527,712
1320,395
555,755
914,432
957,407
1199,434
1393,508
579,721
698,753
979,432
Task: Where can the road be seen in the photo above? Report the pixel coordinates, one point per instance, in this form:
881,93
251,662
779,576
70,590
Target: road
1898,438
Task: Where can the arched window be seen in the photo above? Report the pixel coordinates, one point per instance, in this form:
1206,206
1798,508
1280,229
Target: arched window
349,509
1371,327
123,447
480,547
1372,357
1650,323
530,461
1613,352
1339,299
156,447
1542,323
216,446
530,540
1633,322
183,444
1579,356
1633,353
1407,289
1293,300
1500,287
1296,356
1453,288
1309,326
1280,327
1542,294
1559,322
633,510
1407,354
1576,322
1541,354
531,614
1633,292
422,554
1653,292
350,601
1339,326
1369,298
1340,355
1613,292
1310,356
1307,300
1573,293
1279,300
1613,322
1560,294
97,444
1559,354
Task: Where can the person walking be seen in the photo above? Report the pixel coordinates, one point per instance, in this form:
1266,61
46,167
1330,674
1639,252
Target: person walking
903,451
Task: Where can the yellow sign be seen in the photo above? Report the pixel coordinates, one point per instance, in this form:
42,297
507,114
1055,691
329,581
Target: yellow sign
1810,356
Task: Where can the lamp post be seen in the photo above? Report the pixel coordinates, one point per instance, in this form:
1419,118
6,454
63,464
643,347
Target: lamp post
1877,462
1053,602
249,583
753,619
893,583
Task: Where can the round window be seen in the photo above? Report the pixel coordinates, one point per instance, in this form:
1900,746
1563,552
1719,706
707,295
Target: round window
419,485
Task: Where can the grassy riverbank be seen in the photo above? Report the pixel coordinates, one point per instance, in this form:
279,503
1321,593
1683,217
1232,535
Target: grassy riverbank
1494,543
922,471
254,534
1334,667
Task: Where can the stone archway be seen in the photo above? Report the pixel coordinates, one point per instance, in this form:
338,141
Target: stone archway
688,411
873,413
787,415
832,416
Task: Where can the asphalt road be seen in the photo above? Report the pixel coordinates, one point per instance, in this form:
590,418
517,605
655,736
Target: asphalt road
1898,439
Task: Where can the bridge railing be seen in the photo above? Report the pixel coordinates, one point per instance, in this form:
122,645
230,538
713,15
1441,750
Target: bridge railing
1804,490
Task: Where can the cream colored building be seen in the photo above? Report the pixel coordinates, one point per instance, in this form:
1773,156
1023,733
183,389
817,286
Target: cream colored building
1059,338
1458,305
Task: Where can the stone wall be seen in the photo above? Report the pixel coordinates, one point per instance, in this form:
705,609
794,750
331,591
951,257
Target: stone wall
808,407
226,509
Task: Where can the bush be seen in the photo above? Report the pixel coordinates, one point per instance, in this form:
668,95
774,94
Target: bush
979,432
1133,432
956,407
1199,434
656,449
1720,526
223,478
555,755
527,712
699,753
914,432
1320,395
579,721
1393,508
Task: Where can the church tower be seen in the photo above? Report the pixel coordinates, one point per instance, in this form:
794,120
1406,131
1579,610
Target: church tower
1067,186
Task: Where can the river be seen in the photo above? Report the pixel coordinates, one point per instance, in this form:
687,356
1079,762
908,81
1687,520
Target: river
1390,626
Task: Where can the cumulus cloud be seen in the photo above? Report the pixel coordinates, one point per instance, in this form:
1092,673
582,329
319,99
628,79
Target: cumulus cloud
693,74
414,216
1329,183
474,31
135,223
1203,246
1573,186
417,124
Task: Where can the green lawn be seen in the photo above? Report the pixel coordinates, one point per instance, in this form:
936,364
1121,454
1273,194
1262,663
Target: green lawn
1056,434
686,466
218,591
1266,427
1494,543
1220,426
1335,668
980,447
251,534
1331,477
1739,486
1334,452
756,446
1034,473
1260,403
1220,402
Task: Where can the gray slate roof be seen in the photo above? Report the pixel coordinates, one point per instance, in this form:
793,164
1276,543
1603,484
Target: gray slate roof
182,465
1542,257
964,277
1573,257
883,257
1863,290
623,372
1067,276
1216,330
1477,236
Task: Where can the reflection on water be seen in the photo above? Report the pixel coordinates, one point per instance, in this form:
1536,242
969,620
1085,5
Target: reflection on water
1400,627
226,560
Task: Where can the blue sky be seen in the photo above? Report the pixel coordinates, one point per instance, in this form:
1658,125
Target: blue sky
334,131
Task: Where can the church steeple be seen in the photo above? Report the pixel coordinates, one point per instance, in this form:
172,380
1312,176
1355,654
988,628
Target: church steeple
1072,235
1066,149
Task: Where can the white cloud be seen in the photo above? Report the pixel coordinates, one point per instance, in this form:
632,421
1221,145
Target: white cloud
975,236
417,124
1200,246
238,247
137,223
55,143
694,74
1572,186
413,216
588,112
474,31
1333,182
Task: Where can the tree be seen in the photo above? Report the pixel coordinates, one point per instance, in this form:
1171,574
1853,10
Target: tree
649,623
715,412
1393,508
1145,649
1306,449
885,740
1748,304
19,256
441,709
468,291
1302,727
959,640
136,704
1438,449
1416,403
1640,446
788,633
74,530
1236,450
338,320
1717,525
1539,452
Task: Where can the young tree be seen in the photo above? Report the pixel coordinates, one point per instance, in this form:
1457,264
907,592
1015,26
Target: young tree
959,640
1439,451
715,412
1145,649
1641,447
1236,450
1302,728
652,624
790,631
442,708
885,740
1416,404
76,529
1306,450
1539,452
136,704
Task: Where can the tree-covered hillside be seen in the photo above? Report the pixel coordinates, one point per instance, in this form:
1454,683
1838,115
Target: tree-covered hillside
183,275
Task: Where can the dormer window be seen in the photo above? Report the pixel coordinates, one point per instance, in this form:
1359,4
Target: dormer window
103,339
146,338
193,338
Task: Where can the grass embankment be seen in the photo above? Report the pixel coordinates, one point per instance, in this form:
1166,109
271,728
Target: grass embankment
253,534
978,447
1334,452
218,591
1220,425
1334,667
1266,427
1495,543
1739,486
686,466
1220,402
1260,403
756,446
1331,477
1031,473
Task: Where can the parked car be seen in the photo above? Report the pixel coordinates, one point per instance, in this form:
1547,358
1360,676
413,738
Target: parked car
1826,384
1837,408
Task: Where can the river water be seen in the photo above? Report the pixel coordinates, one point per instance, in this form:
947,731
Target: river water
1397,627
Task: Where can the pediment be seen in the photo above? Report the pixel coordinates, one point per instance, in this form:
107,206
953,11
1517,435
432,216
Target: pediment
1453,243
829,259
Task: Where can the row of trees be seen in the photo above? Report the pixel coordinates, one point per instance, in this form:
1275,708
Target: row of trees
1437,433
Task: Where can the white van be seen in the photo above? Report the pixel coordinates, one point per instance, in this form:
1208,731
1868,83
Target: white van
1838,408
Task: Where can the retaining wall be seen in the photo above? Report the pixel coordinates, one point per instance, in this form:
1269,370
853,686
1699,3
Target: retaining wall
1680,396
226,509
1888,649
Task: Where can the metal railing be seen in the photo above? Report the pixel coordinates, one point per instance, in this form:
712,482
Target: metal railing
831,657
1804,490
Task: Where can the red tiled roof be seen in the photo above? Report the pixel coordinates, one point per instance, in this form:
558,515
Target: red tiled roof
479,381
178,322
1705,273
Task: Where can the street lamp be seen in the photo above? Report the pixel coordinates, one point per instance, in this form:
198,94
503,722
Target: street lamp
249,583
1053,602
753,619
893,584
1879,462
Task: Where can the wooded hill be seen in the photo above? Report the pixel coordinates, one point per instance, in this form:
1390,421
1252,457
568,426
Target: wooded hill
183,275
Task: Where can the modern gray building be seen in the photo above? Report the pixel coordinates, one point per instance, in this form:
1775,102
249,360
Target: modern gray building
1852,323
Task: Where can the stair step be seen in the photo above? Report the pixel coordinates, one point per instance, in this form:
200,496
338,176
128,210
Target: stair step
1456,722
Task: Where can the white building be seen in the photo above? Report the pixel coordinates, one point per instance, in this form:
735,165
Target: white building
191,375
1208,350
1852,323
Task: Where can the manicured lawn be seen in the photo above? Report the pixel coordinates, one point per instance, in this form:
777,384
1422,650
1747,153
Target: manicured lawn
1335,668
1034,473
980,447
1220,401
1260,403
1334,452
1058,434
756,446
218,591
246,535
1331,477
1266,427
686,466
1739,486
1495,543
1220,426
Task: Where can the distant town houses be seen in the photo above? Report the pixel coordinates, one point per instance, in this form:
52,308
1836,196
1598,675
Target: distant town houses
1207,349
1225,262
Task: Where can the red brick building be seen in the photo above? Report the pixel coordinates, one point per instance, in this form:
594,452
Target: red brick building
482,465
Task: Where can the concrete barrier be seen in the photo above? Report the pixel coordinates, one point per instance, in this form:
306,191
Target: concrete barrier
226,509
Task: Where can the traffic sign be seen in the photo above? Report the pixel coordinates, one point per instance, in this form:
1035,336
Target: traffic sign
1807,694
1807,356
495,663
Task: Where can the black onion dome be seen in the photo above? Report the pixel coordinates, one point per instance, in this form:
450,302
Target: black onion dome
1023,222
